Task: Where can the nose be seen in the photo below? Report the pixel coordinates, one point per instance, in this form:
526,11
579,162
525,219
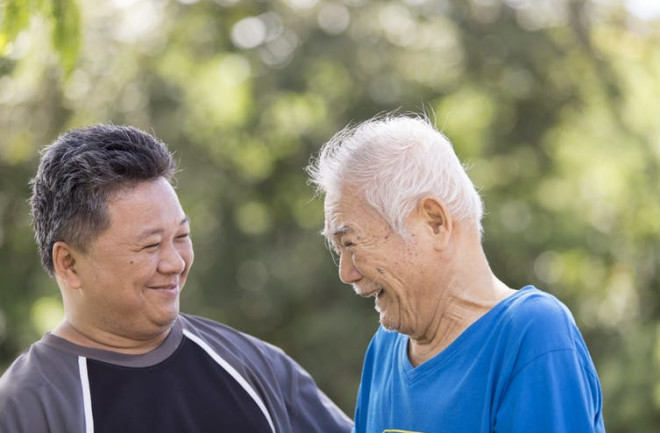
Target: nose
172,261
348,272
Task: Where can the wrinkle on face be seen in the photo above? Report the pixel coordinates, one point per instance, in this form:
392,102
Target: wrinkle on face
391,269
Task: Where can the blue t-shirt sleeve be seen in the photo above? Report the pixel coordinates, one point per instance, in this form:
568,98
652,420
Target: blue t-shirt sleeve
554,387
552,393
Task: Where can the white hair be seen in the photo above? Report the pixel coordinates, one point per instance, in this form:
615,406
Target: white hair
395,160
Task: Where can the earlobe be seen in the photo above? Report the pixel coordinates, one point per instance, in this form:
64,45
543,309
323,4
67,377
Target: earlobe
64,262
437,219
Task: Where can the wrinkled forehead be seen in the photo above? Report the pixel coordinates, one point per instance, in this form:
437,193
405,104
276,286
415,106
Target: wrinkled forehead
347,211
334,217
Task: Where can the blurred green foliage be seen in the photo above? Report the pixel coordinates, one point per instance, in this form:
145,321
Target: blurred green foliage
554,106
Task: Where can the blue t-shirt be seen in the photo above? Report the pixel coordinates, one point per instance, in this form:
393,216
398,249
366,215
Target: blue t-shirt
522,367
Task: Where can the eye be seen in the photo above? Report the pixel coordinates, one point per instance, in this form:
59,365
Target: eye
183,235
151,246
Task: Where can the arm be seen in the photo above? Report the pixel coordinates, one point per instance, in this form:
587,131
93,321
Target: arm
41,393
557,392
295,403
310,410
16,418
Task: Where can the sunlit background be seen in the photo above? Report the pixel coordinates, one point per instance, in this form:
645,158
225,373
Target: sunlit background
554,105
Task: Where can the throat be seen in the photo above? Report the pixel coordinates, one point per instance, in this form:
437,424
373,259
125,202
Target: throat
453,316
421,350
98,339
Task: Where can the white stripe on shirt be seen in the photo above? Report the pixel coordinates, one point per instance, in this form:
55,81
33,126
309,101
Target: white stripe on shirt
235,374
87,399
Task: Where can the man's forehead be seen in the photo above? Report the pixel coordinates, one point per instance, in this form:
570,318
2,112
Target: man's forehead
346,212
330,202
335,224
332,211
341,201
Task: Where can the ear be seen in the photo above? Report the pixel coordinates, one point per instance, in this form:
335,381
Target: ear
437,220
64,262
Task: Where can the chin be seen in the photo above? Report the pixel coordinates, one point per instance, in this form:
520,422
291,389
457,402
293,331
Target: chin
389,324
166,320
395,326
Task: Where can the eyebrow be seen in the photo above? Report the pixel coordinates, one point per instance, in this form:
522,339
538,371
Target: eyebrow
151,232
339,231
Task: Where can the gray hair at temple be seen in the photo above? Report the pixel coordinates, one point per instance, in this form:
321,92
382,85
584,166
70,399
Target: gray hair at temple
395,160
76,176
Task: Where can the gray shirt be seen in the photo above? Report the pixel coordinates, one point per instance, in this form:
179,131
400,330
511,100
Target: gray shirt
205,377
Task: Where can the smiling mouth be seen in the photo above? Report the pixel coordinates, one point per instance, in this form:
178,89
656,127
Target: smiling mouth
168,288
378,293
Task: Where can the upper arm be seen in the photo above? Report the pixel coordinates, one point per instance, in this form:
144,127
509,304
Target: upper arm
310,410
556,392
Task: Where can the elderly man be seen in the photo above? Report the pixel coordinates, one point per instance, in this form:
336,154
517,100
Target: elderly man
111,231
468,354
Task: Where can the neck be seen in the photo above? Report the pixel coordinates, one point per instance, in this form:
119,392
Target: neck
466,297
108,341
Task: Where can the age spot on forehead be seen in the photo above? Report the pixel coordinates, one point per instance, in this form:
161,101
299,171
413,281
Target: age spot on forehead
380,271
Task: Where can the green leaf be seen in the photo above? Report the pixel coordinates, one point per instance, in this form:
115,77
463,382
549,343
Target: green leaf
66,32
14,18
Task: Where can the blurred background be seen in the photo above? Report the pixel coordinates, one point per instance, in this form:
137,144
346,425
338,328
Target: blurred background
553,104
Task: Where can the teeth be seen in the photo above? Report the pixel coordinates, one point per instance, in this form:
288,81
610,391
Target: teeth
367,294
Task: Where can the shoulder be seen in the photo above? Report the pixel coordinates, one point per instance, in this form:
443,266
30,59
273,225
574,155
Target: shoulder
537,323
531,308
19,375
20,387
229,342
549,367
259,362
39,376
29,370
215,330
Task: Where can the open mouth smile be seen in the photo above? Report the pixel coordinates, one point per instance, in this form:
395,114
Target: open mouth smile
374,293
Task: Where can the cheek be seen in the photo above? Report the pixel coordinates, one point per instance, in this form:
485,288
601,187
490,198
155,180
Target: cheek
188,255
191,253
139,267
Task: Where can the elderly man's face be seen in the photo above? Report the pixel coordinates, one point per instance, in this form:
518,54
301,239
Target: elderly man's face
132,273
379,262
